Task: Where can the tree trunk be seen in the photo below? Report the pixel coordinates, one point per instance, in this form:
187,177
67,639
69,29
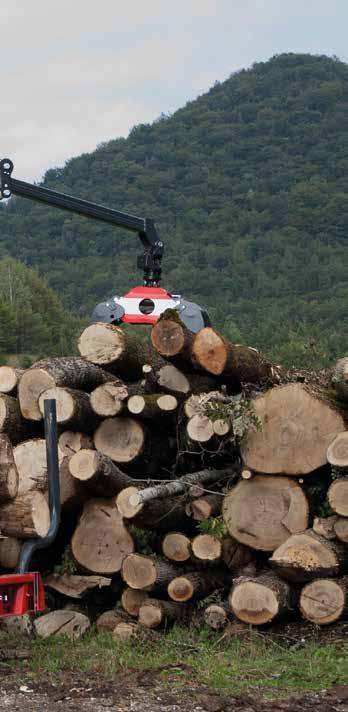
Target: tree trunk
263,512
152,405
180,485
204,507
341,529
216,615
132,600
193,585
337,452
340,378
338,497
236,556
296,430
31,463
109,399
8,472
9,379
121,439
108,620
172,380
109,345
26,517
73,408
176,547
70,442
157,514
74,586
147,573
306,556
66,372
101,541
63,622
10,549
206,548
11,421
154,613
260,600
324,601
98,473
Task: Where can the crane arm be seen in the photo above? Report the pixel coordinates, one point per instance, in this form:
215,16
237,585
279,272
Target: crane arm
149,261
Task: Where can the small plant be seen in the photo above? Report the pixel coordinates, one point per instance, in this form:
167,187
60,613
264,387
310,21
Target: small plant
144,539
339,473
215,526
67,564
238,412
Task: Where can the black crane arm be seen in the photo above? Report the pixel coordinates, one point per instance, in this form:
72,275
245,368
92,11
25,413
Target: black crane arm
149,261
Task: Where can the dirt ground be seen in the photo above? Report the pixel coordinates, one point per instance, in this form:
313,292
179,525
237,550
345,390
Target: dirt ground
144,691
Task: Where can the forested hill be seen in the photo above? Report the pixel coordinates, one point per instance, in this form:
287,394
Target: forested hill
248,186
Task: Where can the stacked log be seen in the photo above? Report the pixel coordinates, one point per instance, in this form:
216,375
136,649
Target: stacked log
189,469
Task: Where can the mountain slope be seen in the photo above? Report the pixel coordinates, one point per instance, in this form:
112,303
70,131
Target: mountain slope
248,185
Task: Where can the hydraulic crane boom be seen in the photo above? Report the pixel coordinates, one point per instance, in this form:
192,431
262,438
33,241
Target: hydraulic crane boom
149,261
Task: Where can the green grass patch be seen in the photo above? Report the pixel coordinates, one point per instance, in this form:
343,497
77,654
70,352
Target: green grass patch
253,662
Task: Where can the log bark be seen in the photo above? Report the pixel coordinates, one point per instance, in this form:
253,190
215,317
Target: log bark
157,514
337,452
109,345
341,529
101,541
63,622
206,548
109,399
74,586
97,472
26,516
71,441
176,547
9,379
10,549
324,601
66,372
236,556
11,421
132,600
193,585
296,430
263,512
340,378
204,507
338,497
306,556
31,463
154,613
152,406
147,573
216,615
8,472
325,526
260,600
73,408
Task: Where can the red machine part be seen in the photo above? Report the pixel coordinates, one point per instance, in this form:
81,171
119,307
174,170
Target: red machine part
20,594
144,305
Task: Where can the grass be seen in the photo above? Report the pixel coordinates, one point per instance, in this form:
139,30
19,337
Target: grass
251,663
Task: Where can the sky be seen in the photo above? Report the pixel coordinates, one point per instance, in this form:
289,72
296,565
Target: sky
76,73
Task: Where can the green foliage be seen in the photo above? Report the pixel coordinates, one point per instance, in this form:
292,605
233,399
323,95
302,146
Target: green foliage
32,318
247,185
339,473
238,413
144,539
215,526
67,564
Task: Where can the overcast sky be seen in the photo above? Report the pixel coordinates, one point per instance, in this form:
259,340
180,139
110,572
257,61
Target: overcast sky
74,73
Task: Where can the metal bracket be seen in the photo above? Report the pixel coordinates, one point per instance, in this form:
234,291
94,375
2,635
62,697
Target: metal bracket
6,168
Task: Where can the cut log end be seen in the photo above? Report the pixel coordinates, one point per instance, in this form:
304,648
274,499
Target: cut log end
254,603
181,589
132,600
101,343
139,571
33,382
108,399
9,378
176,546
128,503
338,497
216,616
323,601
337,452
121,439
206,548
70,442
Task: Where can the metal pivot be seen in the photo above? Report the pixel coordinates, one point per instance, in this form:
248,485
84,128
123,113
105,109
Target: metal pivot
32,545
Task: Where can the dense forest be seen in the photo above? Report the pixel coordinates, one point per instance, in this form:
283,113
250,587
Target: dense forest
248,186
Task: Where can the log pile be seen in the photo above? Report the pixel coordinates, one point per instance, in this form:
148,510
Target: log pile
195,476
